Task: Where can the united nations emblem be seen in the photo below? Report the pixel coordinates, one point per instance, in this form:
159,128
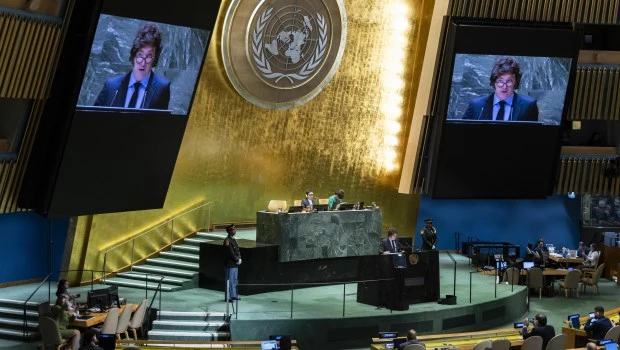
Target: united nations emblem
413,259
281,53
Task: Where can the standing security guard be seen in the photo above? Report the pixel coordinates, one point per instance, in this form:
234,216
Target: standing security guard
429,235
233,260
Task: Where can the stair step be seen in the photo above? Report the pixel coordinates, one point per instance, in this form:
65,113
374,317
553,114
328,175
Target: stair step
18,334
212,235
187,325
142,277
186,248
196,241
187,335
180,256
192,315
17,322
19,303
160,270
140,284
174,263
12,312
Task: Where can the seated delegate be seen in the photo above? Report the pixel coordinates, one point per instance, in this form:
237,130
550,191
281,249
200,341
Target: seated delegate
598,325
63,313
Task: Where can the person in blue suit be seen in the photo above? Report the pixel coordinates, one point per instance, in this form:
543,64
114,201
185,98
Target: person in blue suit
504,104
141,87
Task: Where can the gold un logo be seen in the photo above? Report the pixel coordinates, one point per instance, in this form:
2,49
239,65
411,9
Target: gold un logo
280,54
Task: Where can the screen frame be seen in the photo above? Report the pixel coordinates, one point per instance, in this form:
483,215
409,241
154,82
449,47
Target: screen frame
467,36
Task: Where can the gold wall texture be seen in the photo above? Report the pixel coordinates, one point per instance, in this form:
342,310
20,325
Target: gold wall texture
351,136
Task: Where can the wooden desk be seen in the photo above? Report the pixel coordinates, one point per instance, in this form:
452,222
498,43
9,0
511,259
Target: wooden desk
566,261
464,341
572,333
98,317
550,272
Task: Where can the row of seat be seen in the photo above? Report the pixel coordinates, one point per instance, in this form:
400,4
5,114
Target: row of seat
572,281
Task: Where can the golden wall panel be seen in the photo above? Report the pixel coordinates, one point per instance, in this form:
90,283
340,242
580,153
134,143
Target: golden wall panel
586,174
241,156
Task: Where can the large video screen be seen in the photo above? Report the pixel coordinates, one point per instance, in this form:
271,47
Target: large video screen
162,60
111,130
498,106
530,88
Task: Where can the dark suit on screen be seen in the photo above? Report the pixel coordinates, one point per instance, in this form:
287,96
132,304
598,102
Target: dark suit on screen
524,108
114,92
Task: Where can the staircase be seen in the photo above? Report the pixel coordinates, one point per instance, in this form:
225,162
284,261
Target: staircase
190,326
179,266
12,320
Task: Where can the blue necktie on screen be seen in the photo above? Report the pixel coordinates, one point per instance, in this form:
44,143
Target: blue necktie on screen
134,97
502,109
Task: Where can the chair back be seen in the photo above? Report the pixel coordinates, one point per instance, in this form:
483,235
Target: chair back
571,281
535,278
138,316
532,343
276,205
483,345
597,275
50,335
297,202
111,322
500,344
557,342
512,275
613,333
323,200
414,347
123,319
45,309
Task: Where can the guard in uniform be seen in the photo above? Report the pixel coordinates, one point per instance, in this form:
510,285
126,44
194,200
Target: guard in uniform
429,235
233,260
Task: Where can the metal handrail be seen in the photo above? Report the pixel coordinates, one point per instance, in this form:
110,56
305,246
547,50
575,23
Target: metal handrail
293,284
132,239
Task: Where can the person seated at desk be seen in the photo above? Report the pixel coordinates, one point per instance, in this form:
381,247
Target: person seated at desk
390,243
540,256
63,289
591,346
412,338
591,261
309,202
334,201
546,332
582,250
90,341
598,325
63,313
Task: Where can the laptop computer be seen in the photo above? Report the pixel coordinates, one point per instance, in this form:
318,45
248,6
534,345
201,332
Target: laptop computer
611,346
320,207
384,335
574,321
107,341
295,209
268,344
528,265
346,206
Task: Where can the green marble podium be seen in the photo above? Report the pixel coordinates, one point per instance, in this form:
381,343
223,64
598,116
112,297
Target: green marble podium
321,235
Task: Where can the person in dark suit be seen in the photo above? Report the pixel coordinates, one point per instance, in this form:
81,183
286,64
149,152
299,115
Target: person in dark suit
599,324
540,328
412,338
309,201
504,104
390,243
233,260
141,87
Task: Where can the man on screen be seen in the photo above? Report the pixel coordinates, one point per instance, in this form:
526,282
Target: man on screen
504,103
142,87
